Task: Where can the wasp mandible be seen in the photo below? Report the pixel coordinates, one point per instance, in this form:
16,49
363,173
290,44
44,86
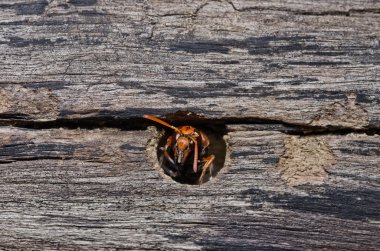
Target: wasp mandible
186,151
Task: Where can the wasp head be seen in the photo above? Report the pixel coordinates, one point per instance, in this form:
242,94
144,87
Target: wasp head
182,149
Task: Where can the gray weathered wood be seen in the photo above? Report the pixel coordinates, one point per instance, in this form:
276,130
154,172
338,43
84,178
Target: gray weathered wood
267,71
302,62
95,189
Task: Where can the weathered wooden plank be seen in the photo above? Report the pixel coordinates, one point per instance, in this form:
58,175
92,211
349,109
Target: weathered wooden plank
299,62
69,189
290,62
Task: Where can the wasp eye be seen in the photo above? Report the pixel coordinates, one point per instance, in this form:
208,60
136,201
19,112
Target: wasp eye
194,134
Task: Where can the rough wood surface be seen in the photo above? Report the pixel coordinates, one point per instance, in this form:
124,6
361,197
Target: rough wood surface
72,189
302,62
76,76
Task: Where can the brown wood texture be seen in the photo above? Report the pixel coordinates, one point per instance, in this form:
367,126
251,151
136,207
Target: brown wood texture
293,85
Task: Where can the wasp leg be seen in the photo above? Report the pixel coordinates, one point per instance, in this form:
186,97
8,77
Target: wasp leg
166,153
167,157
207,166
169,171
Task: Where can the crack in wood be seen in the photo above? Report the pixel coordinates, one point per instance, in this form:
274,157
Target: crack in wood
304,12
258,124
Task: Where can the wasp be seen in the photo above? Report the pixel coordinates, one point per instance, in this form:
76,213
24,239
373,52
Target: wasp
186,152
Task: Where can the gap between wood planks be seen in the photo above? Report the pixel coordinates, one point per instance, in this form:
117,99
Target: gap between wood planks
132,124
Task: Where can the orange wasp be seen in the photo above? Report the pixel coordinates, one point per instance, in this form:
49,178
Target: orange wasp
186,145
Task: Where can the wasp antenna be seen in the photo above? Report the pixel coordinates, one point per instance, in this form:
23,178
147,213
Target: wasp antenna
162,122
195,163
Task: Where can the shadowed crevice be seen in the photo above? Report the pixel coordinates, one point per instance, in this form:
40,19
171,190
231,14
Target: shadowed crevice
180,118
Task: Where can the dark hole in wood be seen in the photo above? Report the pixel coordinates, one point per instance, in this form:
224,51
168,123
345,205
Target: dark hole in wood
215,133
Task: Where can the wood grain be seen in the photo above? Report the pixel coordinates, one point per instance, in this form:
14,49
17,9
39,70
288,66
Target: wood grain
299,62
293,84
101,189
